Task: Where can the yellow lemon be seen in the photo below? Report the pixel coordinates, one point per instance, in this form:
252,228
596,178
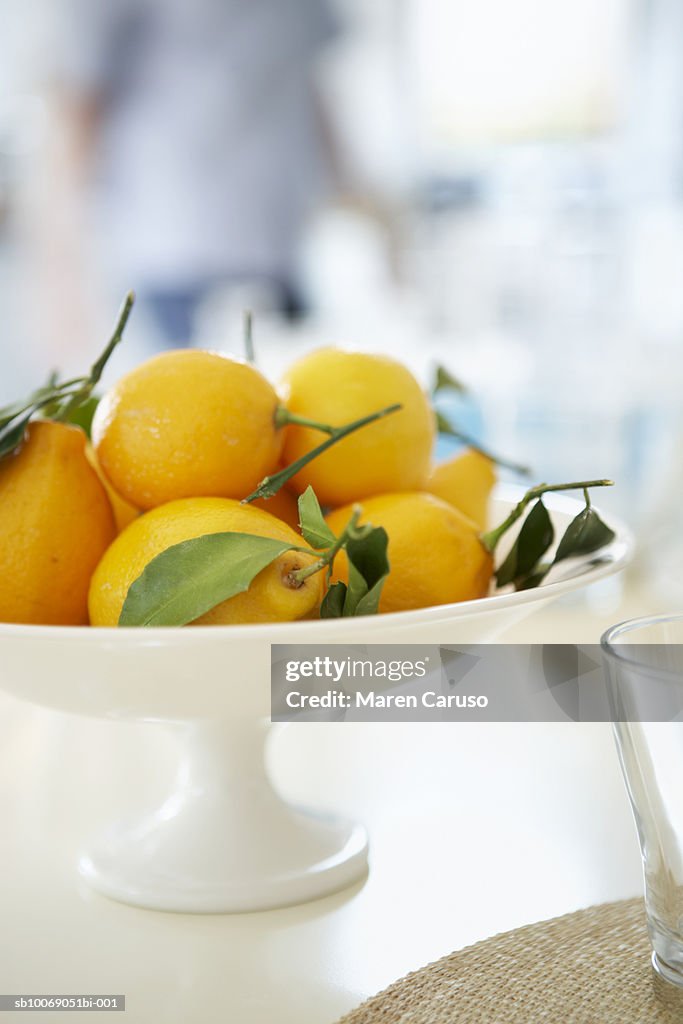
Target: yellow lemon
465,482
282,505
124,513
335,387
435,555
187,423
55,523
272,596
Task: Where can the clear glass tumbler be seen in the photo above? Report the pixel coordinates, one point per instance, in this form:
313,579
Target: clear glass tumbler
644,666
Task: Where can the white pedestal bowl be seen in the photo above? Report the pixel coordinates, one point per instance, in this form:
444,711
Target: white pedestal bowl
224,840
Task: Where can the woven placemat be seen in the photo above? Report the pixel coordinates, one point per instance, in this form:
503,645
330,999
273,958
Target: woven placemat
590,967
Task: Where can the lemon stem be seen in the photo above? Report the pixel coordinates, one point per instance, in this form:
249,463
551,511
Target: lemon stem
88,384
349,531
270,485
491,538
283,417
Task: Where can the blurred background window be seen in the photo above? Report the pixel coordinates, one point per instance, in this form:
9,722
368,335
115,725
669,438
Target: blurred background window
494,185
495,72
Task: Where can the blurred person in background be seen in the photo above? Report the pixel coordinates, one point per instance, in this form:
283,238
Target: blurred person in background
191,149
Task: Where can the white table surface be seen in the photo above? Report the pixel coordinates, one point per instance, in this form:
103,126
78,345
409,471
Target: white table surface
474,829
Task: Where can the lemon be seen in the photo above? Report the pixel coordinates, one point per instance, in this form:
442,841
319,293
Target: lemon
124,513
435,555
272,596
55,523
335,387
465,482
282,505
187,423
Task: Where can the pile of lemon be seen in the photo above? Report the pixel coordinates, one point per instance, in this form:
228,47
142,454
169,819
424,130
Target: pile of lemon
180,441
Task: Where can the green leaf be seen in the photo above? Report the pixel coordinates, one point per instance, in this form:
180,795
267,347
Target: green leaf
356,589
82,415
188,579
315,530
369,555
332,606
369,603
445,381
585,534
83,387
15,418
535,578
533,540
10,412
32,403
368,569
366,551
444,425
12,434
69,402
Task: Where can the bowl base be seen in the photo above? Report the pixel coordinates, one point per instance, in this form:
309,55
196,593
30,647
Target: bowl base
224,840
332,855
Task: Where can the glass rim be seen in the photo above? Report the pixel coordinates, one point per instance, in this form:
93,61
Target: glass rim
614,651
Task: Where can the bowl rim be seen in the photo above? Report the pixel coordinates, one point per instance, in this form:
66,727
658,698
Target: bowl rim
605,563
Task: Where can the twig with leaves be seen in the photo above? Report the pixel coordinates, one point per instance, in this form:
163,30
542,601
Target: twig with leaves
62,401
524,566
445,381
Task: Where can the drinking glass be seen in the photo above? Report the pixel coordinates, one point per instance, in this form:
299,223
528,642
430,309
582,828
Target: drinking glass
644,667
